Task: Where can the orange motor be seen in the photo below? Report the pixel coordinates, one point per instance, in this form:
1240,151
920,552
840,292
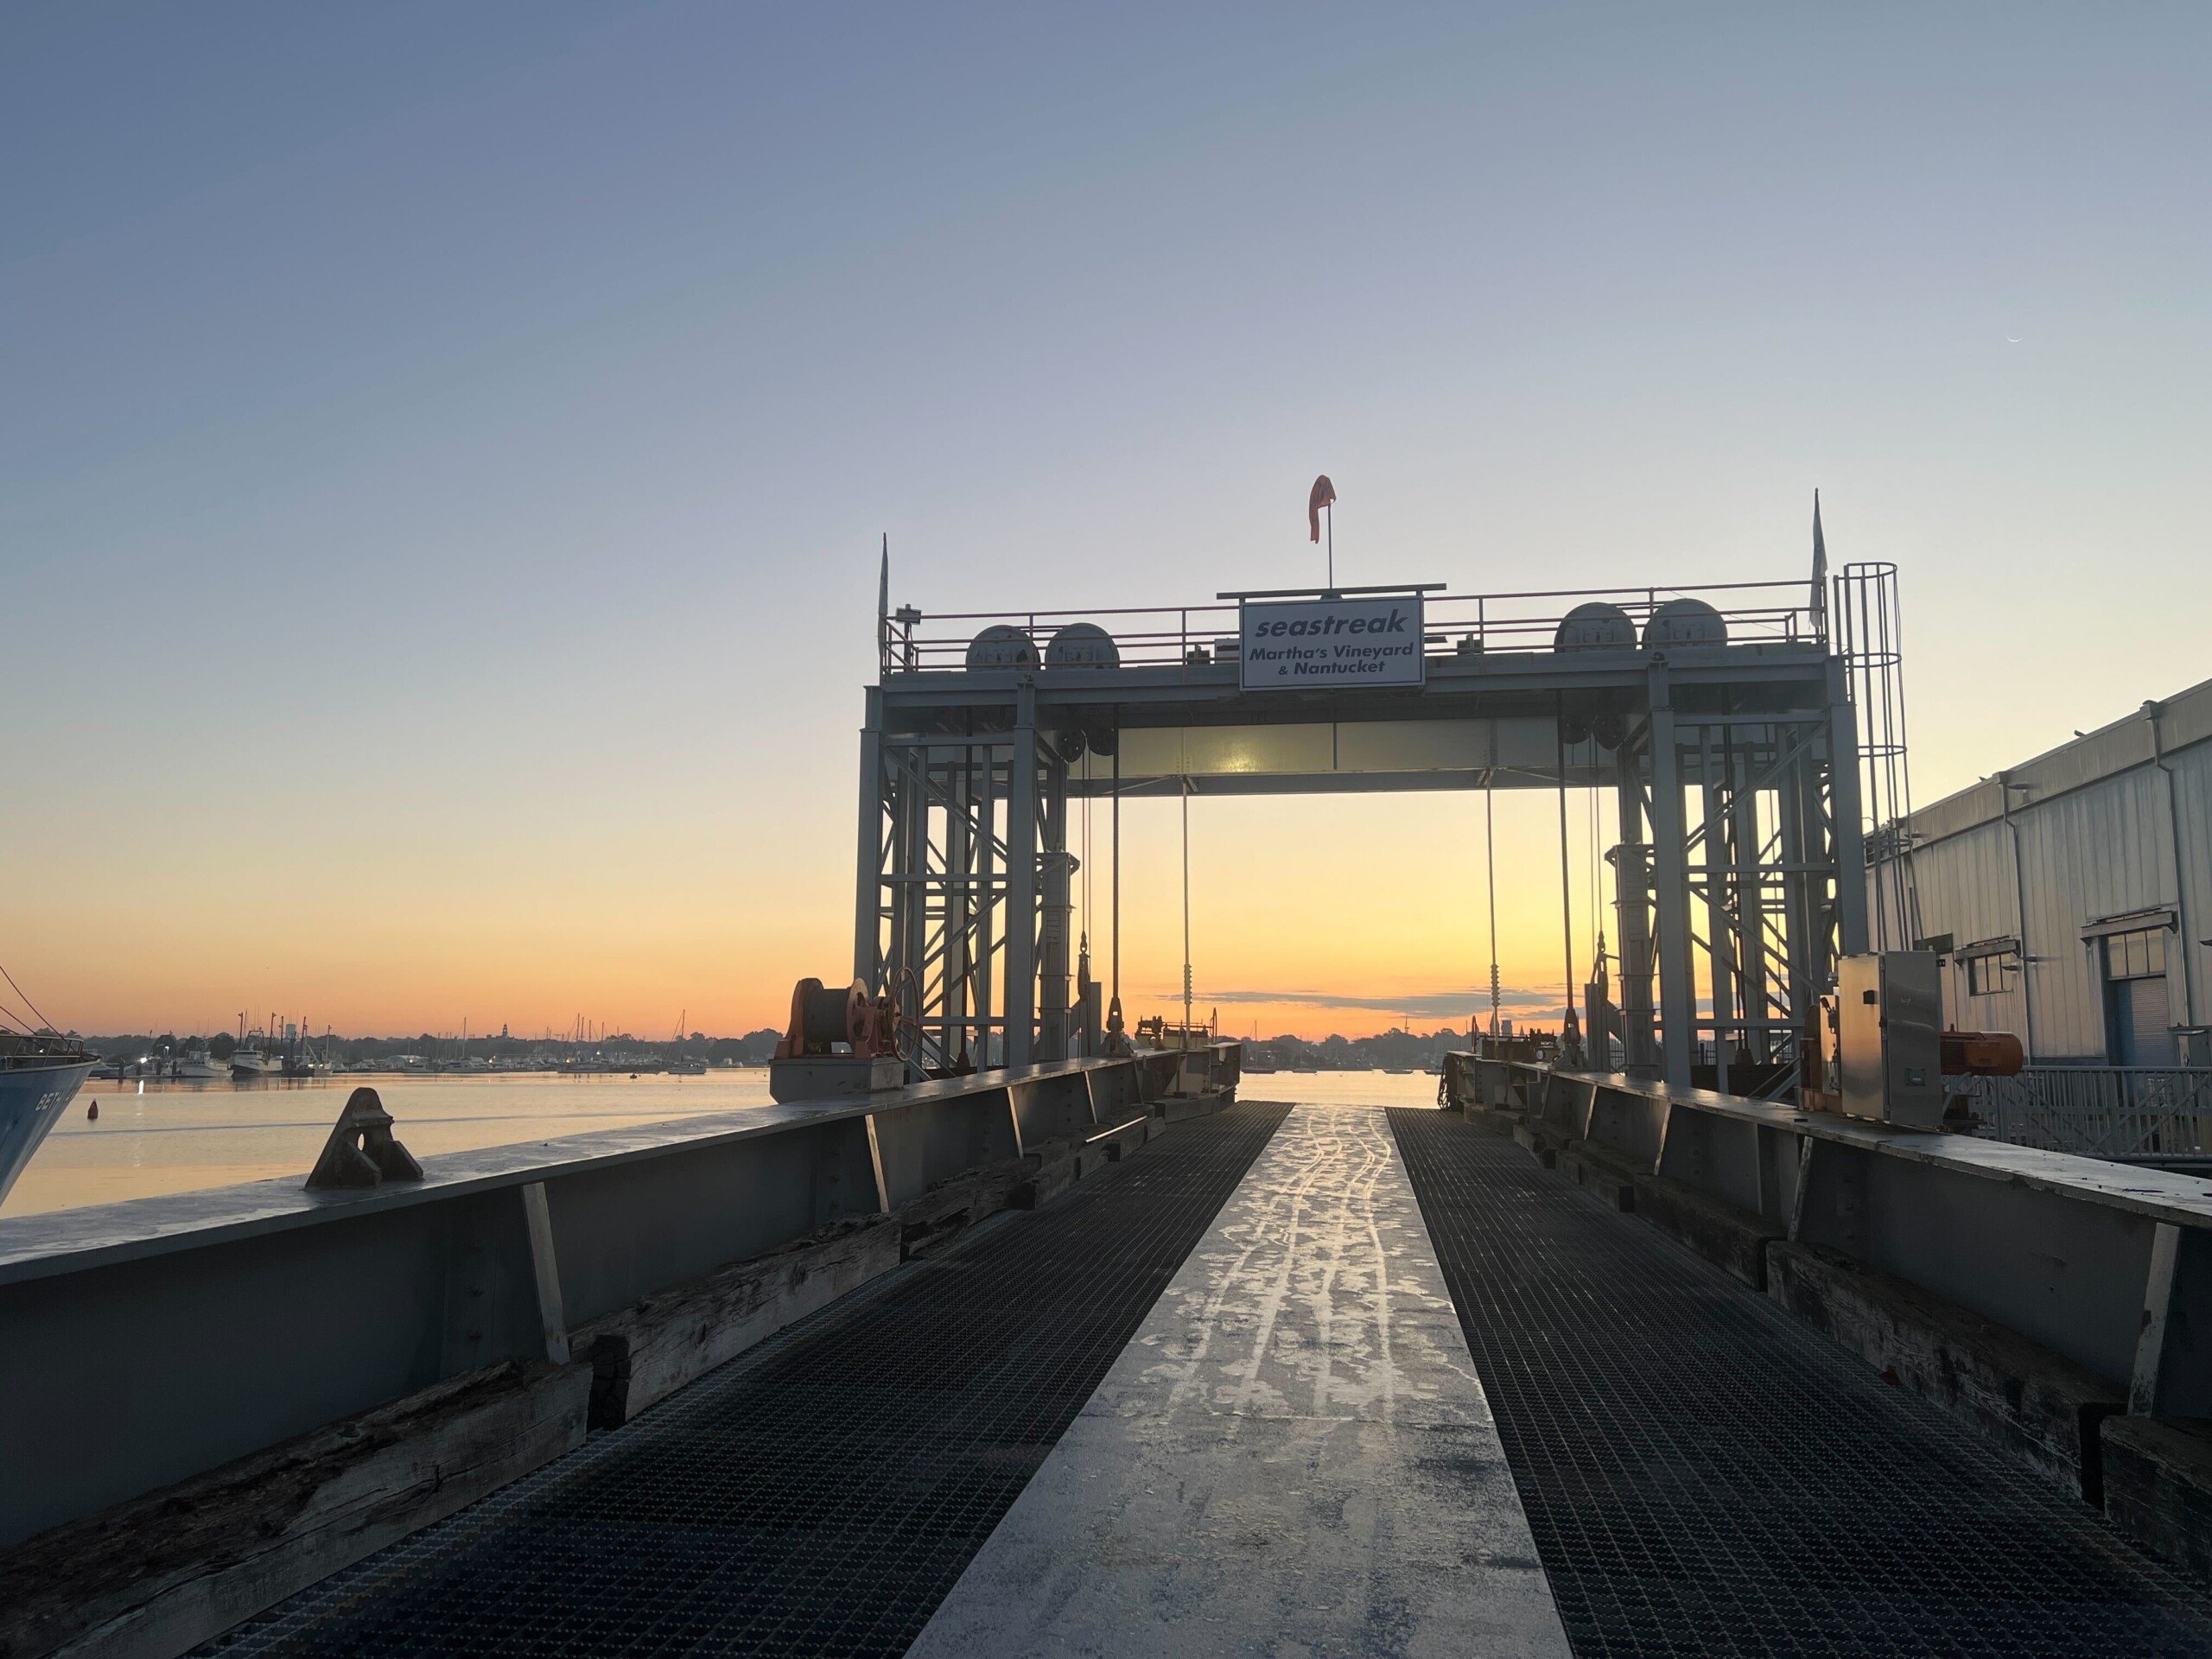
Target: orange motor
1982,1054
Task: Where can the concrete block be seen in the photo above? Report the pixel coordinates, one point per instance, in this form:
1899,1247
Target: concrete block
1612,1176
2157,1488
644,1352
1728,1238
824,1077
166,1571
2042,1408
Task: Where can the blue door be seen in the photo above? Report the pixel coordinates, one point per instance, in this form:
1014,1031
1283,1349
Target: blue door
2141,1035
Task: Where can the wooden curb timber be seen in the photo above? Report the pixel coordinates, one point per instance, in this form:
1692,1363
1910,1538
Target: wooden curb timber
164,1573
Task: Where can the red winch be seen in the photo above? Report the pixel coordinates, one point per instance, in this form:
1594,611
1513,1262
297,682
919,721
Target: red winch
823,1017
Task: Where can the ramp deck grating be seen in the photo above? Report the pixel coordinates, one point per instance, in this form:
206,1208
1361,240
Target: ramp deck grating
1705,1476
823,1494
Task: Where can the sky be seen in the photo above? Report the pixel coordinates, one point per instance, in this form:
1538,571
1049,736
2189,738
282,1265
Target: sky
443,450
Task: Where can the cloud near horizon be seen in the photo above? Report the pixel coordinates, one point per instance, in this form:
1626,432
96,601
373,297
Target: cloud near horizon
1428,1005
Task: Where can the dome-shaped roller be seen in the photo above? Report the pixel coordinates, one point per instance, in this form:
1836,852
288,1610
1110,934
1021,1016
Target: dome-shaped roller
1082,645
1595,626
1684,622
1001,645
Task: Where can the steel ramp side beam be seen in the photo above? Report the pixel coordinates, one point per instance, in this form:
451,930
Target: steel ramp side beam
1703,1474
820,1494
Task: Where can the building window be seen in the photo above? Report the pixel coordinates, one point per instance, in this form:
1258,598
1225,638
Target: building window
1985,975
2139,955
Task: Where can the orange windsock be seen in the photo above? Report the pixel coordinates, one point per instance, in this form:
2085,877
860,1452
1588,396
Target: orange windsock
1324,493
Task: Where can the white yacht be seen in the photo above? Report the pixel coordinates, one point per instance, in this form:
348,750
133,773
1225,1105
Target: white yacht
255,1056
246,1063
198,1066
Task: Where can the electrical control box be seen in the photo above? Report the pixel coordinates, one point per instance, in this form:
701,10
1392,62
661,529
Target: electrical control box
1890,1023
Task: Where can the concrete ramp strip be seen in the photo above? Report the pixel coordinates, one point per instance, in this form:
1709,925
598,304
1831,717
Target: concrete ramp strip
1293,1456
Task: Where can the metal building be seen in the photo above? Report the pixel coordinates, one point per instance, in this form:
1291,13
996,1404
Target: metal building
2071,894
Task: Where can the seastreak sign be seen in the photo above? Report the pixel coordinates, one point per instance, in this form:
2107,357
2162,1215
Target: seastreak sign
1318,644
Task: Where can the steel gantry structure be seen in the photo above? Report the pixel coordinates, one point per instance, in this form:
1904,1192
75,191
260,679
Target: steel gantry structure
1720,717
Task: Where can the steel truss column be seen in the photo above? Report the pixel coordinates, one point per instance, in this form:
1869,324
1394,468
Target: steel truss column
1751,898
901,875
867,885
1723,947
1055,869
1850,838
959,902
987,912
1796,810
939,885
906,877
913,898
1670,883
1632,894
1020,915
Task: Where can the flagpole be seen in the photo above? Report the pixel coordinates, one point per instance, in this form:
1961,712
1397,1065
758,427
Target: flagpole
1329,513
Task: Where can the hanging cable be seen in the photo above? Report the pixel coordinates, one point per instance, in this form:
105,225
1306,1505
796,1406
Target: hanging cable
1597,891
1187,911
1489,862
1116,833
1084,983
1568,1034
28,1003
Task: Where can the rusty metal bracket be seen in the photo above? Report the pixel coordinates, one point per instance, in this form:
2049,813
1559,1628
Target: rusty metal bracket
361,1151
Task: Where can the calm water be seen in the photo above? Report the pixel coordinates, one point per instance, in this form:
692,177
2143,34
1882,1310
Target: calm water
1342,1088
180,1137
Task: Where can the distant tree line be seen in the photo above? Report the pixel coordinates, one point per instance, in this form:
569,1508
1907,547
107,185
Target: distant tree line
1393,1050
754,1048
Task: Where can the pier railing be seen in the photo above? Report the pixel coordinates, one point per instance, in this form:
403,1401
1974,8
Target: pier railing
1771,612
2099,1111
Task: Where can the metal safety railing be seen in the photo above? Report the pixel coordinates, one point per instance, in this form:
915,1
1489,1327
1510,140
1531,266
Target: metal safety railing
1751,613
2099,1111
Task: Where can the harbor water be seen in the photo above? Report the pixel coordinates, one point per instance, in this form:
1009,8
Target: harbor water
181,1137
154,1138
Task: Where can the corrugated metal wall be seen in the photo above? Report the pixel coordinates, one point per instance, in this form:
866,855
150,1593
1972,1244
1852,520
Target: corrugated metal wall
2100,849
2192,770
